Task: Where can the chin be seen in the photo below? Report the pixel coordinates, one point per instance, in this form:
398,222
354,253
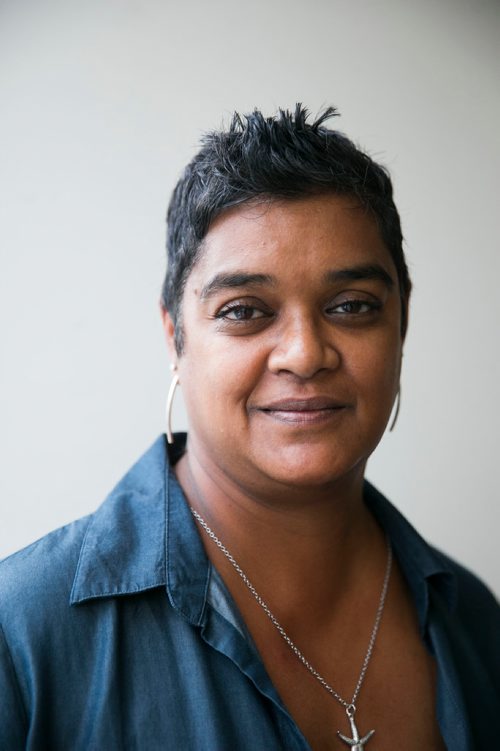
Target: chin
310,466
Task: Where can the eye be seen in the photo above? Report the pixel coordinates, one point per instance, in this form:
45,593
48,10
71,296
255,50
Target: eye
241,312
354,307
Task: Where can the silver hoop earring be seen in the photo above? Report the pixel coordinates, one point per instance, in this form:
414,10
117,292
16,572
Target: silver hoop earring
396,413
168,410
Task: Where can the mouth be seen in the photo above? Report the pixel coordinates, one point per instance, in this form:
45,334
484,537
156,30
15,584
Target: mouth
312,411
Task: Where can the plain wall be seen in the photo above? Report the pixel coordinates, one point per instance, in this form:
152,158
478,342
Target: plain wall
102,103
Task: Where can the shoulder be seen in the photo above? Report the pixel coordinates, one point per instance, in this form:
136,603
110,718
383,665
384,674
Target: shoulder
422,561
38,578
36,621
471,589
476,606
120,537
461,603
467,635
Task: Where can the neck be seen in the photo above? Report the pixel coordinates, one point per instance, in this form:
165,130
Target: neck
286,538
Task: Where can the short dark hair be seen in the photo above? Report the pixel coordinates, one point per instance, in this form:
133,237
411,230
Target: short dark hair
283,157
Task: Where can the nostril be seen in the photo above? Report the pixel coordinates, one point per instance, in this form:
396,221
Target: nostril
303,352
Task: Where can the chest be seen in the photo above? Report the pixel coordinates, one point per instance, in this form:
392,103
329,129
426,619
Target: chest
397,698
397,701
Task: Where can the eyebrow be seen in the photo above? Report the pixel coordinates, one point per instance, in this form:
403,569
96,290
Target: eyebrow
357,273
238,279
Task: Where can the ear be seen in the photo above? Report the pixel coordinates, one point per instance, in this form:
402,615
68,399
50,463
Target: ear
169,329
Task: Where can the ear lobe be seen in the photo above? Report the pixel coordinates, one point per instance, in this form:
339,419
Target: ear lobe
169,329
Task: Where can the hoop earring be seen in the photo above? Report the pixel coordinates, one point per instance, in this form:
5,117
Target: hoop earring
170,399
396,413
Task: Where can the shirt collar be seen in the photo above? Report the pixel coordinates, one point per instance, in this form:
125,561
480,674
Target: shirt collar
123,551
143,536
423,567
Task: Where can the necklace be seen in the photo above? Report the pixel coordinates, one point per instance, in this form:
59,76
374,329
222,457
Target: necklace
356,742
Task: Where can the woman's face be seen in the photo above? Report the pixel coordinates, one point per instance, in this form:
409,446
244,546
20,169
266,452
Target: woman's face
292,345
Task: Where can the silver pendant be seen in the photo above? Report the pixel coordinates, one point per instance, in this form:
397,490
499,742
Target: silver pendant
356,743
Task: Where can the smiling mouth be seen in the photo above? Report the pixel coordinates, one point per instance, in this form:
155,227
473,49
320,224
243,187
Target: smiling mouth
304,411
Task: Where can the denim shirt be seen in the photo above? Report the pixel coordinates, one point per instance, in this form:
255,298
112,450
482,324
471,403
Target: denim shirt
116,633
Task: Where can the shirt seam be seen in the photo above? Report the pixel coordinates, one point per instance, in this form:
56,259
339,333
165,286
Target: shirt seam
15,678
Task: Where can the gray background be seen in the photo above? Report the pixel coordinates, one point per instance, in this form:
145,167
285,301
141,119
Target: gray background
102,103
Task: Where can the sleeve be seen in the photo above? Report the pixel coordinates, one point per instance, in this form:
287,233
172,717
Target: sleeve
13,720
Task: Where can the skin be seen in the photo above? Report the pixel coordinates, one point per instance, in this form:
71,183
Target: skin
293,341
289,372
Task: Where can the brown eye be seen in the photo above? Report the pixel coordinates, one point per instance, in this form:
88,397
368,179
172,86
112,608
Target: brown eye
354,307
241,313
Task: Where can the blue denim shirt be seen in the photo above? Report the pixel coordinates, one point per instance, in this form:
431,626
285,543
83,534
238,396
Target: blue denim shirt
118,634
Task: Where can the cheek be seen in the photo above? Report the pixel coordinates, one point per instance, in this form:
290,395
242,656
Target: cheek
217,383
375,368
230,364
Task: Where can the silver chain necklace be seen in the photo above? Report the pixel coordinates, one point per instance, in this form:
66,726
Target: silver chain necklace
356,742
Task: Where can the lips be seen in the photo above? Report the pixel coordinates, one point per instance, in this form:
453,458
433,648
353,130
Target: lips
310,404
304,411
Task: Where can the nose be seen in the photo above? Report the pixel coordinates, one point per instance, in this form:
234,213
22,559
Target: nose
303,348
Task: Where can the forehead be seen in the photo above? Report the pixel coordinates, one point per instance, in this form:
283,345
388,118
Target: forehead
292,237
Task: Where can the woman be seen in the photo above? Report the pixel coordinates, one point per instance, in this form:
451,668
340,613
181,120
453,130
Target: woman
247,589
